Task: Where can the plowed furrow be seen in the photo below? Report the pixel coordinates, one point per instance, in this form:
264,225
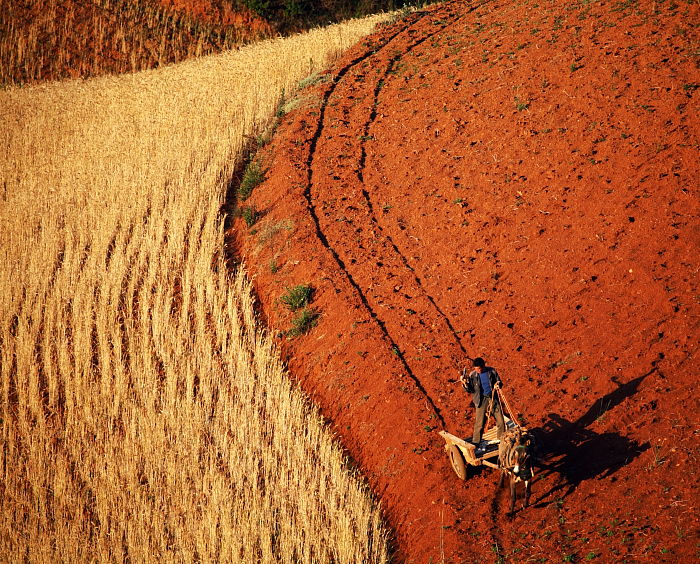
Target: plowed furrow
348,221
328,233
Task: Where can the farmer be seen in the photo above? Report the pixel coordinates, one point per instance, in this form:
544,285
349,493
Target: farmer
483,382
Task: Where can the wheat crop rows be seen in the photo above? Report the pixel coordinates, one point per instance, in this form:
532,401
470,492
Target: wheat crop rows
144,414
49,39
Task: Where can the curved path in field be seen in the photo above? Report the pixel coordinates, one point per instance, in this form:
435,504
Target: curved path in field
486,179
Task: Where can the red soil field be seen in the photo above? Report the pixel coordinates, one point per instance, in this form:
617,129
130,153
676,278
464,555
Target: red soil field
518,181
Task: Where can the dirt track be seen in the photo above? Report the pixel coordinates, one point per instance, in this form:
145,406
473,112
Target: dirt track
495,180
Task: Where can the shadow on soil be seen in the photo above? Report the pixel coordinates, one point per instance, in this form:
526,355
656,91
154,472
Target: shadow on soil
577,453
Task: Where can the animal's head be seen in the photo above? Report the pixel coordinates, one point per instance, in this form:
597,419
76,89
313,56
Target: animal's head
522,451
520,457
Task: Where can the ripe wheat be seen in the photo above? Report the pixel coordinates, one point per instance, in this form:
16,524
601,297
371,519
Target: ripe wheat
144,413
52,39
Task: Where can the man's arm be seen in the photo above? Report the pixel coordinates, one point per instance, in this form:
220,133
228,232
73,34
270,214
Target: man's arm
470,382
496,379
463,377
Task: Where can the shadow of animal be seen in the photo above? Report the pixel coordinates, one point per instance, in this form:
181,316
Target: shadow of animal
576,453
515,458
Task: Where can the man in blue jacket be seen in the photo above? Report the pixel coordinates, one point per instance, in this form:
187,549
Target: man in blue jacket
483,383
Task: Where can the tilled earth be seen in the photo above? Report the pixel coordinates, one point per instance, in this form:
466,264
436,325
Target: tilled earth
519,182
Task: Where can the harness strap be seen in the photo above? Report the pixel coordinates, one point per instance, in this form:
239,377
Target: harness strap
505,403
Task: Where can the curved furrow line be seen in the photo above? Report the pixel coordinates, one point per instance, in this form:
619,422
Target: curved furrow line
317,223
417,279
362,163
495,529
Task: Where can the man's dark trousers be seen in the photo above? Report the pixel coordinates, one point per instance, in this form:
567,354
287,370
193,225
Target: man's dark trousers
480,418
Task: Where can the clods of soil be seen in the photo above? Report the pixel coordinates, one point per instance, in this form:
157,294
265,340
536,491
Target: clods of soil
516,181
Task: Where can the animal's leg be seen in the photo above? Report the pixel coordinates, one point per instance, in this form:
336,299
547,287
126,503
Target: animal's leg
527,493
512,495
500,480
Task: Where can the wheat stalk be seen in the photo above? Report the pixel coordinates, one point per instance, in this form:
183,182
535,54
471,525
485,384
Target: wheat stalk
144,412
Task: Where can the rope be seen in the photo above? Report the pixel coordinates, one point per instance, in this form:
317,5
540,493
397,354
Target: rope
504,402
490,409
498,393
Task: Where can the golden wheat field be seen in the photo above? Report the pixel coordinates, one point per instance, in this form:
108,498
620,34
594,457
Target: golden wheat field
145,414
49,39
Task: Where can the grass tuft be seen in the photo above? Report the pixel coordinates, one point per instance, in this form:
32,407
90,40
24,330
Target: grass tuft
252,177
303,322
297,297
521,105
250,215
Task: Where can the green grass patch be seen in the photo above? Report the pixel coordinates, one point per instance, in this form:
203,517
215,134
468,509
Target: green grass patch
312,79
250,215
303,322
268,232
253,175
521,105
297,297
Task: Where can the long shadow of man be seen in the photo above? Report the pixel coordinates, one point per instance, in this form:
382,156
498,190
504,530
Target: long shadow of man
577,453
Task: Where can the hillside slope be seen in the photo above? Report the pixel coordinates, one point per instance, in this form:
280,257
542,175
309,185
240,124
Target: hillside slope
516,181
60,39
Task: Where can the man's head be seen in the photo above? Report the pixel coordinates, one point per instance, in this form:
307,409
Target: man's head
479,363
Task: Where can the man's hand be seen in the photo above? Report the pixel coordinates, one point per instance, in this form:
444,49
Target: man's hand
464,379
